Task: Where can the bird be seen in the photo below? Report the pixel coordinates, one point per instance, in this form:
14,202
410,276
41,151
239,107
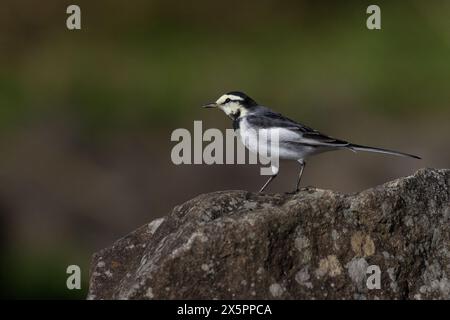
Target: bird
295,140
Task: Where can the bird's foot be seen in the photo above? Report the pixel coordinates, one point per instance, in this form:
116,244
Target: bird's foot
307,188
292,192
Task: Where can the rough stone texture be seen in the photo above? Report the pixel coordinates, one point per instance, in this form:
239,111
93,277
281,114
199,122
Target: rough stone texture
317,244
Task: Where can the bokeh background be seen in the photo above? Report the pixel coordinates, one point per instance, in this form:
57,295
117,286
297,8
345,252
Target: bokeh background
86,116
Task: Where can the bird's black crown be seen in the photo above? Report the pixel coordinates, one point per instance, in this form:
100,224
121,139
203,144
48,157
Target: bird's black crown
247,102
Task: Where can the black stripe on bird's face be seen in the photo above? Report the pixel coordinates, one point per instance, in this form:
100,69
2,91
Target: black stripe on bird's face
236,97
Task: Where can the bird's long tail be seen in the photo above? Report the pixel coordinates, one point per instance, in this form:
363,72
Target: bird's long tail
357,147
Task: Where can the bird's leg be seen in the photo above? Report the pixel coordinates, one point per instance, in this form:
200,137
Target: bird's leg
302,166
268,181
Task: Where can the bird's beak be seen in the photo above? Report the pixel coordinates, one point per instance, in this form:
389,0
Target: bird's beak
210,105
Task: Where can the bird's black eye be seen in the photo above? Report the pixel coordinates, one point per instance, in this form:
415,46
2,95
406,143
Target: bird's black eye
227,100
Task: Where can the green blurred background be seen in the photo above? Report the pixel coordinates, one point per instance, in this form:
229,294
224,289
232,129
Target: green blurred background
86,116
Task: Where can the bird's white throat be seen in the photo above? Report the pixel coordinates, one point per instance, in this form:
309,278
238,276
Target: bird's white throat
233,108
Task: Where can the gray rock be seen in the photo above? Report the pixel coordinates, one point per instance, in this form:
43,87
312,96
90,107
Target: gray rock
313,245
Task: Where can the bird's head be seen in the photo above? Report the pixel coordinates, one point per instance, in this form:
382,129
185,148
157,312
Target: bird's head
235,104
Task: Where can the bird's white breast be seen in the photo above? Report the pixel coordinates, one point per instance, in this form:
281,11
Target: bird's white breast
249,137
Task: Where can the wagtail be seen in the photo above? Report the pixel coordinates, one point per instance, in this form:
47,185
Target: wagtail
295,141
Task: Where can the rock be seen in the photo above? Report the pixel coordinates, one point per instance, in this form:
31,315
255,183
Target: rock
317,244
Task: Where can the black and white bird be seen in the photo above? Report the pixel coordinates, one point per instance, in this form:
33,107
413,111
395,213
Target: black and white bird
296,141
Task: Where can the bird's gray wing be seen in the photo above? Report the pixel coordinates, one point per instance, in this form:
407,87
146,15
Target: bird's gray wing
305,135
317,138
